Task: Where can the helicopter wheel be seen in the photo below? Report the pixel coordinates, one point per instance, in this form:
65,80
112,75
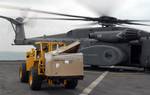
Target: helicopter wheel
94,66
147,69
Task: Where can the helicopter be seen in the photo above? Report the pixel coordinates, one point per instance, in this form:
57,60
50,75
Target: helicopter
107,45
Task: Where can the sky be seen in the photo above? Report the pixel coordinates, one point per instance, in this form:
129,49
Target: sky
124,9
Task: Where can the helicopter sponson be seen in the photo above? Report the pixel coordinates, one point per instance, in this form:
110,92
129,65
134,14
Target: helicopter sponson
106,54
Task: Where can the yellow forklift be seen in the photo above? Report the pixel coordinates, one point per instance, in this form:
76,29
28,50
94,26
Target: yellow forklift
54,62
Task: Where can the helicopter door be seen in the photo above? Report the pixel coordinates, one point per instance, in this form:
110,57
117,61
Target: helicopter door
135,53
145,56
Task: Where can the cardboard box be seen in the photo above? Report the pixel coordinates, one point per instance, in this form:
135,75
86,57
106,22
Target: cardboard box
64,64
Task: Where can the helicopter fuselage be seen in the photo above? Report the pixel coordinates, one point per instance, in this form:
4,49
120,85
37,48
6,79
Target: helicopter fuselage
112,46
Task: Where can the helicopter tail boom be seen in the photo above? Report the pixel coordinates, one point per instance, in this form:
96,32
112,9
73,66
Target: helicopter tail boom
19,33
18,27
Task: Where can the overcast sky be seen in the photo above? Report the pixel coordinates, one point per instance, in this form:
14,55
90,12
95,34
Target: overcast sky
125,9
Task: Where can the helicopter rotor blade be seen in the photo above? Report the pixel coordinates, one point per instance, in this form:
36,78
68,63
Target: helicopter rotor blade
131,23
88,24
98,20
11,20
44,12
138,20
47,18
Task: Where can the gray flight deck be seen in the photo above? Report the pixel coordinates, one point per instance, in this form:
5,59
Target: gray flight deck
118,81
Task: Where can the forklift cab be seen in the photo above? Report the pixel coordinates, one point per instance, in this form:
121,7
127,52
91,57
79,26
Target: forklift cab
38,55
48,46
44,47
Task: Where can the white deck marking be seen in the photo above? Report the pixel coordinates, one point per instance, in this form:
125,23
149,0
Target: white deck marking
87,90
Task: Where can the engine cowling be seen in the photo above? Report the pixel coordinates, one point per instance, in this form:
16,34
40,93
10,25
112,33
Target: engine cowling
115,36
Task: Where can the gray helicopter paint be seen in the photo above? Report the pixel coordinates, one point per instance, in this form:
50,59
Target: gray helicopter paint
145,55
94,52
103,55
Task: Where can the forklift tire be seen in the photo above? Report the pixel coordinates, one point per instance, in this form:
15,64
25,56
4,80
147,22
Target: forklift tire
23,74
71,84
35,81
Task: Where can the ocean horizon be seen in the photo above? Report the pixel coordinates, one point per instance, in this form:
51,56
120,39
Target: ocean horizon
12,55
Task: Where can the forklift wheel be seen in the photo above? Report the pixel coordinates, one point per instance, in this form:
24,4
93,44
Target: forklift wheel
71,84
35,81
23,74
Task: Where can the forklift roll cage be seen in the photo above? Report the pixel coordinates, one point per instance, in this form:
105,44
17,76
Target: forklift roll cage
36,57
